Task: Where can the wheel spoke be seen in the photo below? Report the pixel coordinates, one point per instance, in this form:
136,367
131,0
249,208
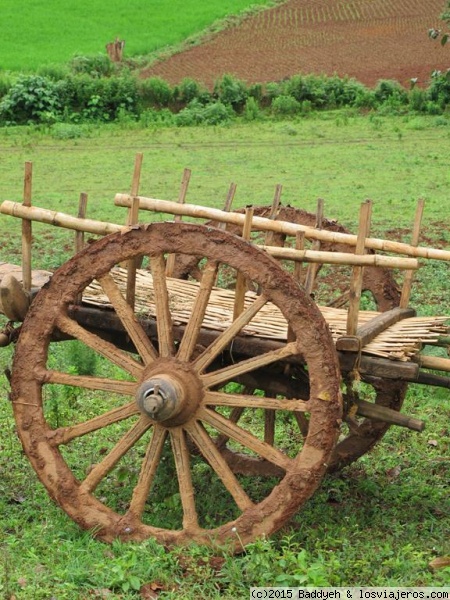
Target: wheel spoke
245,438
182,463
234,417
126,315
63,435
162,308
108,350
127,388
302,422
233,371
192,330
250,401
228,334
218,463
102,469
148,471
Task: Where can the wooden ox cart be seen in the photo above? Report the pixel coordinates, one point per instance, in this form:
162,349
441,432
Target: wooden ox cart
216,409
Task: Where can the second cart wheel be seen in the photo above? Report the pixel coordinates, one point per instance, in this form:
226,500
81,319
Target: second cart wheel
115,453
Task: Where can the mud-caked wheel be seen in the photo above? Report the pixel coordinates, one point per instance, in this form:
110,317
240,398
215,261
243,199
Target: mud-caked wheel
131,450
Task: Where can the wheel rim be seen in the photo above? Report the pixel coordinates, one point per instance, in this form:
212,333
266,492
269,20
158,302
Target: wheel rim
176,374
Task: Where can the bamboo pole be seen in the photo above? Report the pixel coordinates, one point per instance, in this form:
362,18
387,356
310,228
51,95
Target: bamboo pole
59,219
268,239
357,275
241,286
228,203
409,275
79,235
26,229
132,219
433,362
170,263
312,267
264,224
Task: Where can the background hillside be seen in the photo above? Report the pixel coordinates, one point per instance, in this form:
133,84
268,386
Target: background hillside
365,39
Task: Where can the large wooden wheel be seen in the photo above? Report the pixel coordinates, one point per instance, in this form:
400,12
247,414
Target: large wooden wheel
133,453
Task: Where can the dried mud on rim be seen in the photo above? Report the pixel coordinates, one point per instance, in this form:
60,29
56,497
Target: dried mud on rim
368,40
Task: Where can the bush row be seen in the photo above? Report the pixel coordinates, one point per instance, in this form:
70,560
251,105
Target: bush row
93,89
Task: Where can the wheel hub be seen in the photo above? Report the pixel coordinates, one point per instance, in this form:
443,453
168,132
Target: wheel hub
169,393
160,398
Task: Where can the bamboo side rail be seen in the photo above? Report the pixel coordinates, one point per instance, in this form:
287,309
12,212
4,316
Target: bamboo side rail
264,224
59,219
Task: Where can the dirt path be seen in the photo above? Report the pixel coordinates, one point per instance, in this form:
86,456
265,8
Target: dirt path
365,39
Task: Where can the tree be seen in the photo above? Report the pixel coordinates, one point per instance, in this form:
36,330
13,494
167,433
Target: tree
434,34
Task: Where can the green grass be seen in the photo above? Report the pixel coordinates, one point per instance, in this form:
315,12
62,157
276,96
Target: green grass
383,519
42,33
341,160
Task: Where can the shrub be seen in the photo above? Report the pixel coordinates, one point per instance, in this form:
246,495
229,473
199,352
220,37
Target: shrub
54,72
286,106
274,89
189,90
99,98
29,98
342,92
417,99
191,115
231,91
215,113
439,89
155,92
252,111
5,84
99,65
152,117
390,90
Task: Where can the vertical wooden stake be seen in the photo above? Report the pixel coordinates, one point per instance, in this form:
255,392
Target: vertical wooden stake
228,204
409,275
170,264
365,215
132,219
268,241
297,274
239,294
311,272
79,235
26,229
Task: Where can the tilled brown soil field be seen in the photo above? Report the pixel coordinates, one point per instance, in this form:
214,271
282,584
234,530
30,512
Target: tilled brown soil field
365,39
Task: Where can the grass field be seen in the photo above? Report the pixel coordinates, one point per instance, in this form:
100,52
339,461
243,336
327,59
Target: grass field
343,159
383,519
41,33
